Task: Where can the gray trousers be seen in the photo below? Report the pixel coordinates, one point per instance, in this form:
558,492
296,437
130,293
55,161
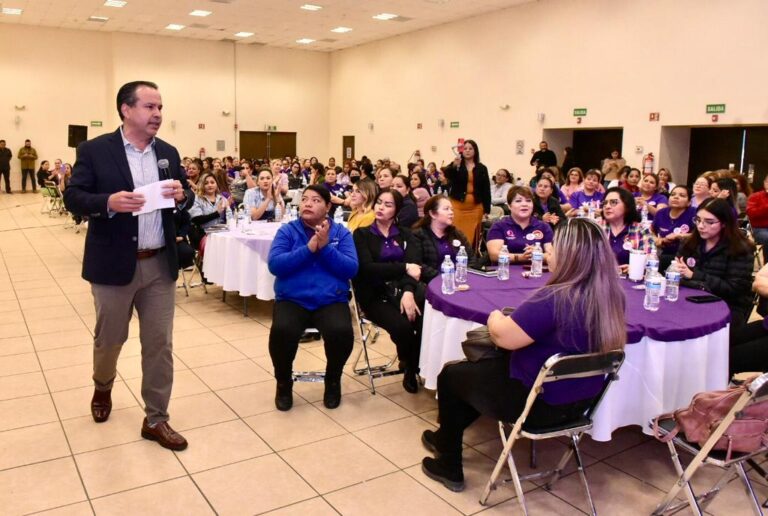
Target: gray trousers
153,293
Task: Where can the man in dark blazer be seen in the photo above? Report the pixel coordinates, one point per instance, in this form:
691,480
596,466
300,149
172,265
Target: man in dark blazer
130,260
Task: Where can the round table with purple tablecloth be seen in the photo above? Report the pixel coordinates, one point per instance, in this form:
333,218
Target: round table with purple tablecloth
671,354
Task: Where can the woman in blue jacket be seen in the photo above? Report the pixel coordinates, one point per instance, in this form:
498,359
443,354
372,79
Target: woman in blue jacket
313,260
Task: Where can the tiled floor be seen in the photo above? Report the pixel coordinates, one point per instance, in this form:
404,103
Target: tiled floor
244,456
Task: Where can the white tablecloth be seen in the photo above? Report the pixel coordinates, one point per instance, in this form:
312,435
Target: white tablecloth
238,261
656,377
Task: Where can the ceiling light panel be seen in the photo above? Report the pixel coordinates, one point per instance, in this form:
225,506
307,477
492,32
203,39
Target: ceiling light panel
311,7
200,13
115,3
305,41
12,11
174,26
385,16
100,19
341,30
244,34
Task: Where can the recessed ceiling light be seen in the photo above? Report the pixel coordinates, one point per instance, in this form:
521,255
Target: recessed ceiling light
174,26
311,7
12,10
115,3
385,16
100,19
244,34
198,12
341,30
305,41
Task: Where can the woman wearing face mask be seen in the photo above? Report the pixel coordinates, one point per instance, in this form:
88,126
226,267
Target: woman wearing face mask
361,204
546,207
720,259
438,238
470,190
673,224
649,196
520,231
387,286
409,213
260,202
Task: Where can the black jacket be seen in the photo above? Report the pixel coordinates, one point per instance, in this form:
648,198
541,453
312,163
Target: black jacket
457,177
101,169
429,257
373,276
545,158
553,205
409,213
728,277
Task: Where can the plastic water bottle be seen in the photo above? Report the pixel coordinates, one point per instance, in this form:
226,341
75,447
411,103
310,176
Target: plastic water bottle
448,273
230,217
673,282
338,216
652,260
461,265
503,270
294,213
590,212
644,216
278,212
537,261
652,291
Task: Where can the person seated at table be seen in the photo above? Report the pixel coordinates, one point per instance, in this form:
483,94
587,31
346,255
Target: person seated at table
700,191
546,206
296,179
420,190
338,192
552,174
625,233
631,184
718,258
387,286
589,194
260,202
749,345
648,196
725,188
438,238
316,174
502,182
520,231
242,182
313,259
184,249
194,169
384,178
361,204
673,224
409,213
208,208
579,310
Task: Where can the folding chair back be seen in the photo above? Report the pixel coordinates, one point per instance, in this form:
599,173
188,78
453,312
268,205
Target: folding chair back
557,368
756,392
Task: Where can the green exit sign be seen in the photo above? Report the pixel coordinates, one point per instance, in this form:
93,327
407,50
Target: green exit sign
454,125
579,111
96,123
715,109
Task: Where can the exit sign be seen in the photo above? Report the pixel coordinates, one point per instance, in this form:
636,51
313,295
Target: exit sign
715,108
96,123
454,125
579,111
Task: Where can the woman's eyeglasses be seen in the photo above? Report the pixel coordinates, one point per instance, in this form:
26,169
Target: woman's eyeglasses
705,222
611,202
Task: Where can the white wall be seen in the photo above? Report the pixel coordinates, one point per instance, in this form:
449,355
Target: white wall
620,59
71,77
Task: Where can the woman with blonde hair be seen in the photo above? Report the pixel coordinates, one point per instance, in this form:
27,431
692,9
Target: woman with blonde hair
579,310
361,203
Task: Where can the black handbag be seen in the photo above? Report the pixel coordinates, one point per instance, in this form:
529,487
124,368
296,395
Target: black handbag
478,345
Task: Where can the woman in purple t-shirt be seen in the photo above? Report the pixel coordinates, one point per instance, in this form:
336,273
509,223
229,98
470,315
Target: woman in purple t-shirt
649,196
579,310
673,225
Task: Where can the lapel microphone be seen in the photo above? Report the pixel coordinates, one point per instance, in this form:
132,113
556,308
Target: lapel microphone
162,165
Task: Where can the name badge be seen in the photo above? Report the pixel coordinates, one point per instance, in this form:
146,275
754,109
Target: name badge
627,245
691,261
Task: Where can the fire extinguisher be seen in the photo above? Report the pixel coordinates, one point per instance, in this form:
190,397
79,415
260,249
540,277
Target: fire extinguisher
202,152
648,163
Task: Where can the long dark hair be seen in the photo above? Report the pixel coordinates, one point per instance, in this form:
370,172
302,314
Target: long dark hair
726,183
735,241
630,208
477,152
396,196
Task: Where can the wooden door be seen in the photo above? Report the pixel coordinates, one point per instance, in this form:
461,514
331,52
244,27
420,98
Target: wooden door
282,144
347,148
254,145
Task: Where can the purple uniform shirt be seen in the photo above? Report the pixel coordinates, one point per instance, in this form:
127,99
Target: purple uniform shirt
664,225
655,200
516,238
580,197
391,251
536,317
620,245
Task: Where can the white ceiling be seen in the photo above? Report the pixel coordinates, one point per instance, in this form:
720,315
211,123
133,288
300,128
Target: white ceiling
276,23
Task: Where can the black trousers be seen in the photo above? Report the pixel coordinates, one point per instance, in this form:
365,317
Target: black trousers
466,390
749,349
405,334
31,173
289,320
7,177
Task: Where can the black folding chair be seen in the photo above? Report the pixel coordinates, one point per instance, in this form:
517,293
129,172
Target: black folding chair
556,368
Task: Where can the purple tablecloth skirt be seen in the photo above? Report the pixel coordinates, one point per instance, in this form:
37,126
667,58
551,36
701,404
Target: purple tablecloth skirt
674,321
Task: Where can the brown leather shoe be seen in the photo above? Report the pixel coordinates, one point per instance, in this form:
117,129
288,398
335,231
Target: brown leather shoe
165,436
101,405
